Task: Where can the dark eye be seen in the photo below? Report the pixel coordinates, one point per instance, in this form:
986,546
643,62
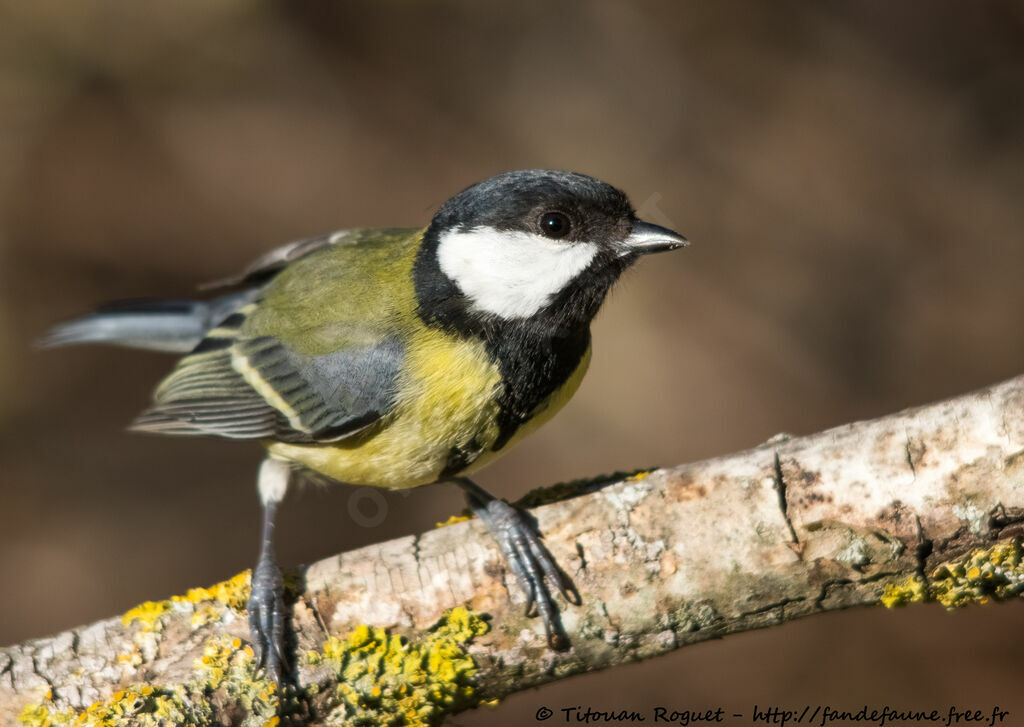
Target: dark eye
555,224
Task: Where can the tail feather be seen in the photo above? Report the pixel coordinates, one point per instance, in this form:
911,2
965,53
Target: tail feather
172,326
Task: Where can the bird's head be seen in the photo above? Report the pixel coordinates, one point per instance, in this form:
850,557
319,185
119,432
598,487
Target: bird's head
532,244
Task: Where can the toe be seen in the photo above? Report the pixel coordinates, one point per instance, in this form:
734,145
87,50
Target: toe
267,619
533,566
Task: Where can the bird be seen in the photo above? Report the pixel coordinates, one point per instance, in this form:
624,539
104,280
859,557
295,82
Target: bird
396,358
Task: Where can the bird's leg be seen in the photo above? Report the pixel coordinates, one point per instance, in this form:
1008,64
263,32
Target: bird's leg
266,600
516,534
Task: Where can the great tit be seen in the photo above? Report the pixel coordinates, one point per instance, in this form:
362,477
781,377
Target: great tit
397,357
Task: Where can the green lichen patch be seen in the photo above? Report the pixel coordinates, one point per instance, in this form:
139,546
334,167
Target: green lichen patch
388,680
225,672
987,574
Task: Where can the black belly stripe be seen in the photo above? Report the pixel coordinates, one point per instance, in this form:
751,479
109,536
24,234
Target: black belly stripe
532,371
459,458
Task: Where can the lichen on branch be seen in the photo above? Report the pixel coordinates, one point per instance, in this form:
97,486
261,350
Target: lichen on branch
925,504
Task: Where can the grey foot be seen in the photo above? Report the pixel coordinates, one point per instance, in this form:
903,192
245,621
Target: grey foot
267,616
528,559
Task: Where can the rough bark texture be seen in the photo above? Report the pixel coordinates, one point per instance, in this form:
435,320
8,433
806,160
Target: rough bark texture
794,527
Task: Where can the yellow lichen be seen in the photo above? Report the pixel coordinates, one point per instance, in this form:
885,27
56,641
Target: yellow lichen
388,680
910,590
146,639
214,662
994,573
986,574
384,679
233,593
131,659
44,714
453,519
207,604
148,614
224,666
138,705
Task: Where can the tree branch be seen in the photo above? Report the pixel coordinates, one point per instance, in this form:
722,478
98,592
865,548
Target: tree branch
923,504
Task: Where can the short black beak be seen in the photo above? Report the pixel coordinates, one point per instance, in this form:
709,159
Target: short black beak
646,238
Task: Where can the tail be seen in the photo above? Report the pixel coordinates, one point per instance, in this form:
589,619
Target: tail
172,326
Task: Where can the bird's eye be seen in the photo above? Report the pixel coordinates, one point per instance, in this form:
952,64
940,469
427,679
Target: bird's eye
555,224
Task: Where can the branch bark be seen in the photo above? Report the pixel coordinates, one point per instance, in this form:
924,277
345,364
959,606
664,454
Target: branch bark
926,503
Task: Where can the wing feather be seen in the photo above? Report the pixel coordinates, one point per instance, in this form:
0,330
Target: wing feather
277,259
260,389
250,377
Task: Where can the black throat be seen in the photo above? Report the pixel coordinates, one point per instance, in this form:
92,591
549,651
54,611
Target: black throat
535,355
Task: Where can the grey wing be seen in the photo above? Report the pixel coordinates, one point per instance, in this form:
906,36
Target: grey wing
258,388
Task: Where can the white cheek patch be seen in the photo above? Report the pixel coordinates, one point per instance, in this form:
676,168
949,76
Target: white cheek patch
511,274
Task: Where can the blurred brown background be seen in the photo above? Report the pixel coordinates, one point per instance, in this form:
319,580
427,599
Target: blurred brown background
851,175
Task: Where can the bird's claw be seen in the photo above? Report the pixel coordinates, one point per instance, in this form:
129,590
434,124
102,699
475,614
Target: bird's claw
532,565
267,616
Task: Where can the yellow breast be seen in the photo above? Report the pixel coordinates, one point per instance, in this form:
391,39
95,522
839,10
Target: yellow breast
547,409
448,398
